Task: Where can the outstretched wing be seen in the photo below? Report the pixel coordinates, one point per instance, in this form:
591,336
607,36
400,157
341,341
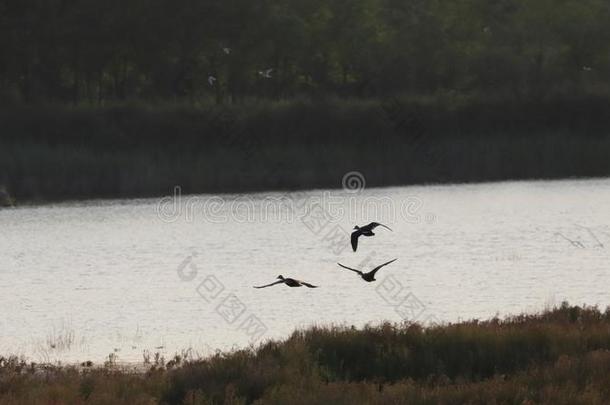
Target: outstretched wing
355,236
374,225
376,269
349,268
308,285
269,285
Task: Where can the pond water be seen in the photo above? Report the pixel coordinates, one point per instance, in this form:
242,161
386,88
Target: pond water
79,281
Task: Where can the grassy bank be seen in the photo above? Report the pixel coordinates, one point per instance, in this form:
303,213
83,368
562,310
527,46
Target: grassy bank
557,357
52,152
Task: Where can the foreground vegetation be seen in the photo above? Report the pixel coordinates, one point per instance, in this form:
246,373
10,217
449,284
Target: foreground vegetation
560,356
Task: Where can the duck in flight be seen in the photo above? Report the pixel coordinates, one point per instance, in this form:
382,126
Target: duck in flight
370,276
290,282
366,230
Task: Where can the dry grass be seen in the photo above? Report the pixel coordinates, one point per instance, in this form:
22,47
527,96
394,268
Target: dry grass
559,356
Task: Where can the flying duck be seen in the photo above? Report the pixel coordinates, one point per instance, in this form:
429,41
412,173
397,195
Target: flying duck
366,230
290,282
370,276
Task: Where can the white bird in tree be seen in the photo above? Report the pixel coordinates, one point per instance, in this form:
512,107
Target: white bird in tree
211,80
226,50
265,73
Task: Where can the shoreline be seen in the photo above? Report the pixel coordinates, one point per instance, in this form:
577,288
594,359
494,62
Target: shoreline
263,193
139,152
522,357
193,356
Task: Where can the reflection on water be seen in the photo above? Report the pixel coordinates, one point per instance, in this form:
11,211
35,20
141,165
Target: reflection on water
79,281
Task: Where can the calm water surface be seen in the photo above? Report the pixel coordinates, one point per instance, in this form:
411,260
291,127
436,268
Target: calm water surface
81,280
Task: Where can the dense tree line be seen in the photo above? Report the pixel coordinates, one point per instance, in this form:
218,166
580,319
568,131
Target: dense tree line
99,51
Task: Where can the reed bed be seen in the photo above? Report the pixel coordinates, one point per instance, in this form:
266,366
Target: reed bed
559,356
136,150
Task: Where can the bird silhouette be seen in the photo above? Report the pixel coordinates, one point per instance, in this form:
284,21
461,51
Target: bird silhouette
370,276
366,230
290,282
